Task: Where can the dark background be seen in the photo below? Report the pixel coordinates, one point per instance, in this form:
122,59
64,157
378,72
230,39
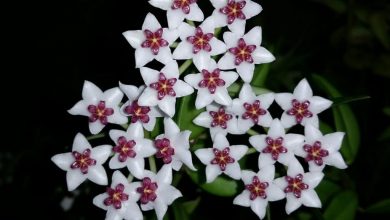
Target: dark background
63,43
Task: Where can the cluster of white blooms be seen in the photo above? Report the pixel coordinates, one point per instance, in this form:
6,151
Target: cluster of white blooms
240,52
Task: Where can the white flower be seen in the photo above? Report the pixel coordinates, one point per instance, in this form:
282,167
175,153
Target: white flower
163,87
198,43
252,109
173,146
218,119
211,84
156,191
178,10
84,162
222,158
233,13
130,150
276,145
320,150
139,114
101,108
152,42
299,187
244,51
259,189
301,107
120,200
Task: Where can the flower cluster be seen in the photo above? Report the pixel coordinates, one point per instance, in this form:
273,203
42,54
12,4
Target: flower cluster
239,51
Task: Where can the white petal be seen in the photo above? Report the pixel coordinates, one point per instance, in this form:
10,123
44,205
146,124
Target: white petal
117,117
246,93
226,62
203,119
115,163
183,51
203,98
311,121
294,168
160,208
244,124
238,26
193,79
175,18
310,198
218,3
96,127
168,194
74,178
195,14
238,151
63,161
185,31
205,155
171,70
80,143
118,177
284,100
176,163
336,160
262,55
251,9
274,193
170,35
148,97
130,91
265,160
136,166
258,142
97,174
143,56
164,175
276,129
170,127
151,23
247,176
149,75
292,203
231,39
101,153
281,183
286,158
222,97
150,125
319,104
133,212
80,108
212,171
245,70
220,142
313,179
233,170
288,120
303,91
229,77
91,93
201,57
265,120
164,55
162,4
217,46
242,199
292,141
266,99
168,105
332,142
135,131
115,134
182,89
214,131
258,206
254,36
147,148
299,151
267,173
135,38
99,201
312,134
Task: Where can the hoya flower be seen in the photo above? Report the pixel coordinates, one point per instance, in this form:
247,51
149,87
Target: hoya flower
218,119
211,83
152,42
173,146
233,13
320,150
178,10
301,107
198,43
276,145
130,149
244,51
101,108
145,115
84,162
163,87
299,187
222,158
120,200
259,189
252,109
157,192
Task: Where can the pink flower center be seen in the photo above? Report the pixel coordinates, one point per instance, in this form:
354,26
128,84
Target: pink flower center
116,196
222,158
183,4
233,10
200,41
274,147
154,40
257,188
147,190
125,149
164,86
242,52
82,161
295,185
315,152
100,112
253,111
300,110
211,80
164,150
138,113
220,118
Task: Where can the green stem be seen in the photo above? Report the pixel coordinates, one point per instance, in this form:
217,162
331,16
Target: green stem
96,136
185,66
251,151
152,164
268,212
252,132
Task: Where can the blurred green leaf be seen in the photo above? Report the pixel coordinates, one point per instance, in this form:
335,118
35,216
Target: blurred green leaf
338,6
386,110
342,207
345,100
385,135
380,28
179,212
190,206
158,128
186,114
260,75
380,207
325,128
326,189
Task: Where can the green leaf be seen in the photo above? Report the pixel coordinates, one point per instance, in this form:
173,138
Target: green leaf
190,206
385,135
186,114
380,207
338,6
179,212
345,100
326,189
342,207
380,28
260,75
325,128
386,110
235,88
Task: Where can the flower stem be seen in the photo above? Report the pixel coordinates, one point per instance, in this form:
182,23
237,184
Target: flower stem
96,136
252,132
152,164
268,212
251,151
185,66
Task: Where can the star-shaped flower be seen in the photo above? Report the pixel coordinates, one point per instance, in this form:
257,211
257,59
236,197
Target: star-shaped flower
198,43
259,189
130,149
320,150
252,109
157,192
84,162
120,200
173,146
218,119
163,87
139,114
152,42
301,107
178,10
233,13
101,108
276,145
299,187
211,84
222,158
244,51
